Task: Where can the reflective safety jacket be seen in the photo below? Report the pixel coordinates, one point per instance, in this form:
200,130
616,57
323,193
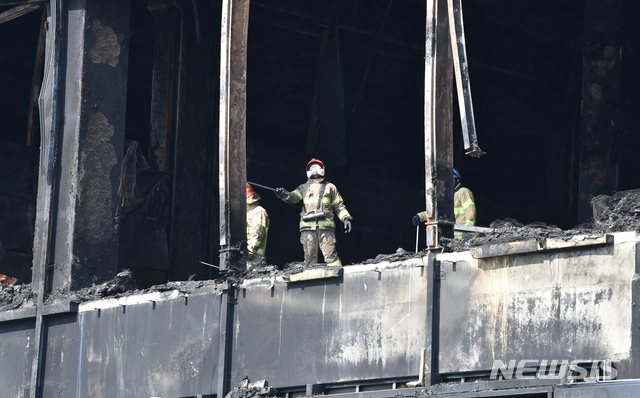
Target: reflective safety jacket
331,204
464,208
257,229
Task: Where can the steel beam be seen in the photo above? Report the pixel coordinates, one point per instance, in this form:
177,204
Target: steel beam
18,11
233,106
50,99
463,85
438,124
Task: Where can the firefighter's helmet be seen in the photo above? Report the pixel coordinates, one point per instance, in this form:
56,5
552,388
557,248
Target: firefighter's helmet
315,171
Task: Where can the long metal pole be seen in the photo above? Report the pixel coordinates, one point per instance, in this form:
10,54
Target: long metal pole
232,131
438,125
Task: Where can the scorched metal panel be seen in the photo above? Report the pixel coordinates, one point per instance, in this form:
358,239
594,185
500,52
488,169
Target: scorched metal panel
367,324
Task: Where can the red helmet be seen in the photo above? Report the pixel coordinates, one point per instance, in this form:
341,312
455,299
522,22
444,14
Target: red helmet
314,160
250,190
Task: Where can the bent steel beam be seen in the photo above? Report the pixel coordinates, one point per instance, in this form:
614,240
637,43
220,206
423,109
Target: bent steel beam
461,68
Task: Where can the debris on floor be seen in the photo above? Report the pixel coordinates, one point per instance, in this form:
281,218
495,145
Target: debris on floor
620,212
258,389
17,296
509,230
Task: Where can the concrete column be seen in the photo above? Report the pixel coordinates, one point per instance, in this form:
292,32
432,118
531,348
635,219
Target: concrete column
78,185
600,102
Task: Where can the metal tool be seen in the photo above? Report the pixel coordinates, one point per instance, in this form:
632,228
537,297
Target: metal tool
210,265
262,186
417,235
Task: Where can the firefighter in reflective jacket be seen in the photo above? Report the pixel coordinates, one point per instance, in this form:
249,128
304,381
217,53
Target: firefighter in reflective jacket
464,206
257,230
321,204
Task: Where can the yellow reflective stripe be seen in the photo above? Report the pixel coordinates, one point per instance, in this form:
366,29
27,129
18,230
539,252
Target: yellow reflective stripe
457,235
337,200
297,193
469,223
324,223
467,203
458,210
307,201
343,213
336,263
261,251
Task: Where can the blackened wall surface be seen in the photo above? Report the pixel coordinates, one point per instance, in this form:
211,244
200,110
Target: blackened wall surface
153,345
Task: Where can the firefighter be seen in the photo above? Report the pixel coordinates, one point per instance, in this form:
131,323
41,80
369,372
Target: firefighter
321,204
257,230
464,206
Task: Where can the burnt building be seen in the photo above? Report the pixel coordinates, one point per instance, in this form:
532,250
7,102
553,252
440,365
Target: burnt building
129,130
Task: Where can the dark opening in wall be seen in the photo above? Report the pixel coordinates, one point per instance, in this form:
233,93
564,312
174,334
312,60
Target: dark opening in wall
21,63
525,63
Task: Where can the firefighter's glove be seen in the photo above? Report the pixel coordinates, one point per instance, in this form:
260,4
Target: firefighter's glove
347,224
281,193
416,219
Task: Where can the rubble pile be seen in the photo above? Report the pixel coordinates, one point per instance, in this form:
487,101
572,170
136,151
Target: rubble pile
399,255
620,212
115,287
258,389
17,296
510,230
120,286
262,272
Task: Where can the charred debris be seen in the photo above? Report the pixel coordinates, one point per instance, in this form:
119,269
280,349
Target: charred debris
616,213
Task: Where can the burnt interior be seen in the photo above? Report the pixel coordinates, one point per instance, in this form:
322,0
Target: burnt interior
342,81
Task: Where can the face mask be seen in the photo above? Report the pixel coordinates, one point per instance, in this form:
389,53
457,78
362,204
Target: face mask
315,170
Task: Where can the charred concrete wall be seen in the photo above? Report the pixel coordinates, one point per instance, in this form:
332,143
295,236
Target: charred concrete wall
574,305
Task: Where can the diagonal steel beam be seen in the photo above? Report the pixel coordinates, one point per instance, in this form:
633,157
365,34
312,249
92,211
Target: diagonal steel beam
19,11
20,2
